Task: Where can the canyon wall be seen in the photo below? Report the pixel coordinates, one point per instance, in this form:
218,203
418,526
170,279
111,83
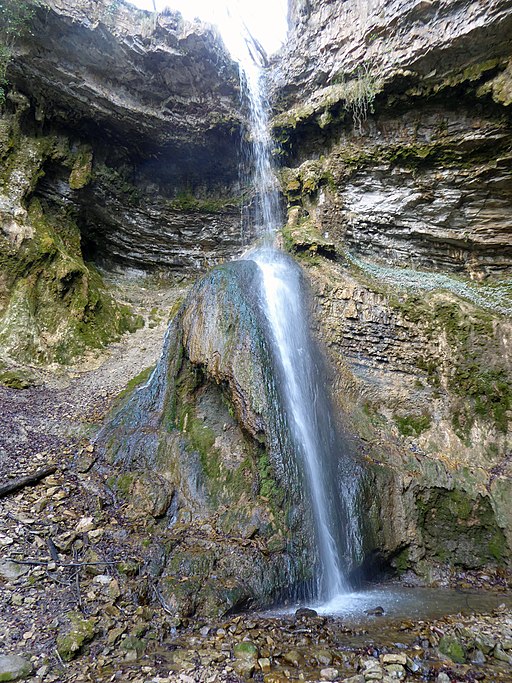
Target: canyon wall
120,140
120,148
394,125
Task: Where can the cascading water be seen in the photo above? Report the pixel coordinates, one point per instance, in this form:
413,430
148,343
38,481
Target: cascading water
326,468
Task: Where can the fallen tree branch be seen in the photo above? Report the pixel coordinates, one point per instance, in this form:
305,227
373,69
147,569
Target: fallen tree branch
44,563
34,478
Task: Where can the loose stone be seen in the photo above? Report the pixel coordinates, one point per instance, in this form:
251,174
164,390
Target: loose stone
14,668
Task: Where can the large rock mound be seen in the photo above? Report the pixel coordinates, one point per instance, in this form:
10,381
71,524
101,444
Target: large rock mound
204,448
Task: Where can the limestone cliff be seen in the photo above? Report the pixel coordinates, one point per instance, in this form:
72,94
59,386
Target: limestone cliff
395,136
157,100
119,147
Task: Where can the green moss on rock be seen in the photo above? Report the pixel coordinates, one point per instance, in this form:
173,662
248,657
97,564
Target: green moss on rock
53,306
452,647
14,668
16,379
81,632
135,382
189,203
81,173
460,528
402,560
412,425
58,307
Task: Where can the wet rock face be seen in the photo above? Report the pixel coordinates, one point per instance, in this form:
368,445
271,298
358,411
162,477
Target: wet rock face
423,377
235,530
395,125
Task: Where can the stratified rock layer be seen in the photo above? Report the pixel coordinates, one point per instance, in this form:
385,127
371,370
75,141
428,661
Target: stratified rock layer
119,147
149,82
395,126
152,104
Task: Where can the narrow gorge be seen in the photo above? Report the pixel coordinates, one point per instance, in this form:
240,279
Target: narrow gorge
255,314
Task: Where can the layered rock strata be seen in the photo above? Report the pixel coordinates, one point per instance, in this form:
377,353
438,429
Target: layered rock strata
395,135
400,131
120,146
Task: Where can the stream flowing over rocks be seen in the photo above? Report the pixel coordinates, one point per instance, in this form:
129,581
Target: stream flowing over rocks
174,542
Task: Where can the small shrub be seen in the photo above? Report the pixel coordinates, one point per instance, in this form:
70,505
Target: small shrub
15,19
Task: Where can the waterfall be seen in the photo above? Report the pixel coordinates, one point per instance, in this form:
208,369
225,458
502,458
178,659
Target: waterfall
266,211
326,466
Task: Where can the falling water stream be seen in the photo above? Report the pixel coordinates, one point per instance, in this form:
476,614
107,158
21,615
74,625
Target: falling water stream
301,378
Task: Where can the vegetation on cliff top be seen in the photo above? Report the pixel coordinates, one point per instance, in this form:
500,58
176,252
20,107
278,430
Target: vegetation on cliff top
15,16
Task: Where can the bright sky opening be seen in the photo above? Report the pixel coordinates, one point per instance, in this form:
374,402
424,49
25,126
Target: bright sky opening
265,19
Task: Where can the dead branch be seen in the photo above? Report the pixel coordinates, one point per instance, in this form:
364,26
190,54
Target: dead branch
45,563
30,479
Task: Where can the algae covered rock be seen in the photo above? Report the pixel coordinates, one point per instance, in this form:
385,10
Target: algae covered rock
53,306
246,658
81,631
452,647
210,422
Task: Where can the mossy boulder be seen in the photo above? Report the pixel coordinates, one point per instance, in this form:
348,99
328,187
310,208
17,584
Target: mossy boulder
246,658
80,632
210,422
453,648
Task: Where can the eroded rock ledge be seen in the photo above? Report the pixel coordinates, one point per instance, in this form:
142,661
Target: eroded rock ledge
149,83
119,147
395,127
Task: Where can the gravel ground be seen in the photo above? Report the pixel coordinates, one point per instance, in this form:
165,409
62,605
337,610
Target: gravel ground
48,419
62,517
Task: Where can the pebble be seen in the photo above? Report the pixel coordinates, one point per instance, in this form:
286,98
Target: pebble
11,570
329,674
399,658
85,524
264,664
5,540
